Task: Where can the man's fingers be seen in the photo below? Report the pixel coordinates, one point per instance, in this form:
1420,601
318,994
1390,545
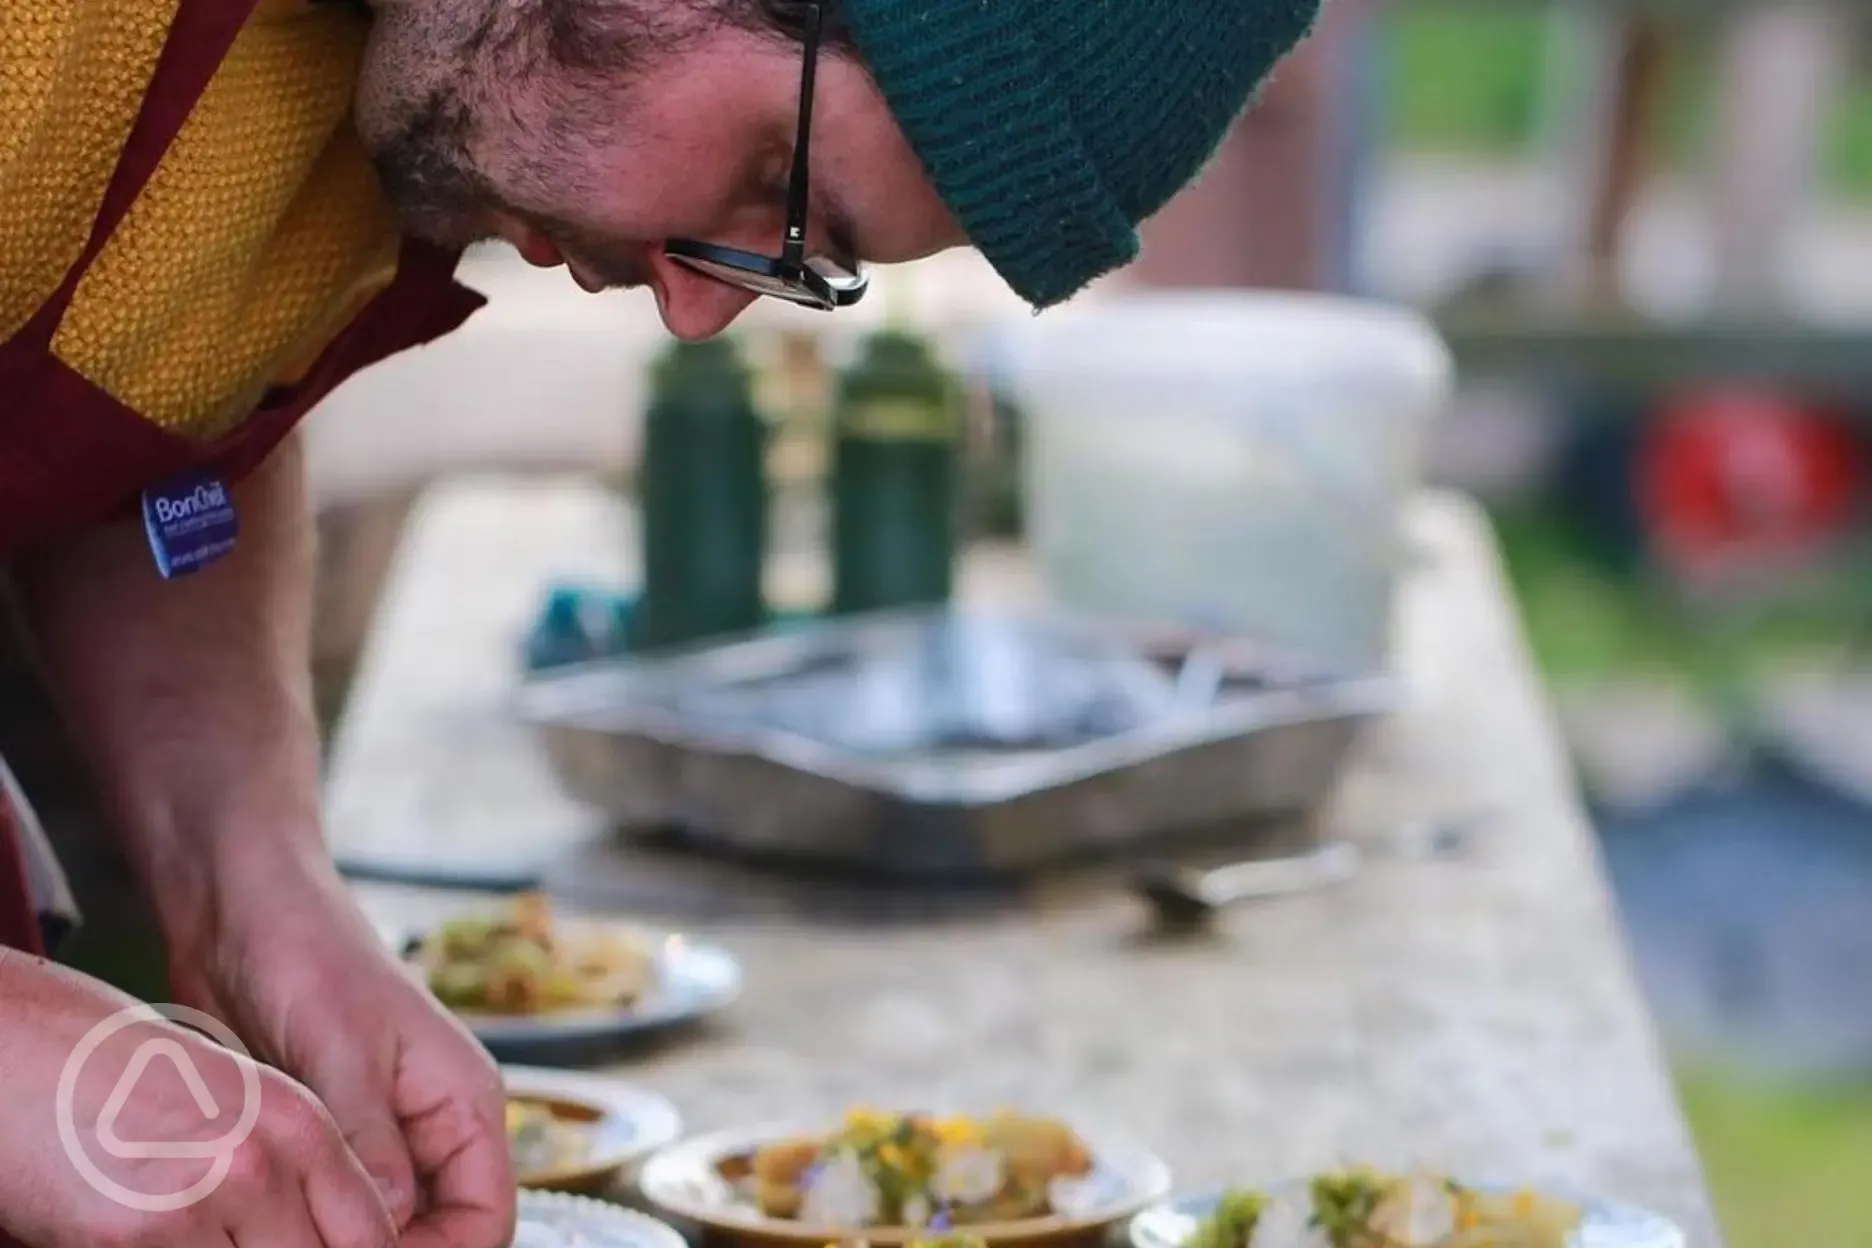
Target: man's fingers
281,1222
376,1139
325,1187
467,1171
294,1184
344,1205
358,1097
458,1227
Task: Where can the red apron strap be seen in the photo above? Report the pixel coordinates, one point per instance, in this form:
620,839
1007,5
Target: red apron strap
199,39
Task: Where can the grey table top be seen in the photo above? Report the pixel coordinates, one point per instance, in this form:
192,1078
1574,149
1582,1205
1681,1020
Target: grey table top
1478,1015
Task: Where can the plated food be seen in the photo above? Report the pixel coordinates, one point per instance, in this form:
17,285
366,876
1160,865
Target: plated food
890,1178
521,961
574,1132
529,981
1362,1207
914,1170
546,1137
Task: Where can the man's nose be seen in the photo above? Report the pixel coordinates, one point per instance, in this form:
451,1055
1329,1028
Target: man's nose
695,307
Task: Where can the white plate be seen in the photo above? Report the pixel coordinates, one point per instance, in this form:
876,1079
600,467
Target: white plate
694,979
552,1220
685,1180
1604,1224
628,1121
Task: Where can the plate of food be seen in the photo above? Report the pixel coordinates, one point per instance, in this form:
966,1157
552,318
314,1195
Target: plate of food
556,1220
903,1178
1360,1207
575,1132
524,978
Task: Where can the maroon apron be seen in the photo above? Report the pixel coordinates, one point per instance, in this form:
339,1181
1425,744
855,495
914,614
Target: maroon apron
71,455
19,925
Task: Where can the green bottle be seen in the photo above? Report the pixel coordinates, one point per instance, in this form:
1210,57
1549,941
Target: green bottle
703,488
897,430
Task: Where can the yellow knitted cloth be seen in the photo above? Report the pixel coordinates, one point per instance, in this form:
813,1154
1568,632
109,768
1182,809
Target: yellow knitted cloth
258,237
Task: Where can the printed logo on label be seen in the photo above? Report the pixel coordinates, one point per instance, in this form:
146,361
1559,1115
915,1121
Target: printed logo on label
190,522
198,502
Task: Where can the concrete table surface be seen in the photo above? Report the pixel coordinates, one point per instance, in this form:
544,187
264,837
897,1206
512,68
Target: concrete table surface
1478,1014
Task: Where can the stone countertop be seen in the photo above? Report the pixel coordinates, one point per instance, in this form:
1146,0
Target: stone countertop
1476,1014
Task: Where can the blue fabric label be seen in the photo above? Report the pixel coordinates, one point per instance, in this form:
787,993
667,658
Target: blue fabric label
190,521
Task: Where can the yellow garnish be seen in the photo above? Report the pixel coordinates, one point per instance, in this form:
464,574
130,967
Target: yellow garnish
869,1120
903,1157
956,1132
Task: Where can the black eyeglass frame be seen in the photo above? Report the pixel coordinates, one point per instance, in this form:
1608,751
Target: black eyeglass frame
791,271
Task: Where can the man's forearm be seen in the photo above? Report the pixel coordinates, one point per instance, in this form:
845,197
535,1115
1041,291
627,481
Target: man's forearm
192,697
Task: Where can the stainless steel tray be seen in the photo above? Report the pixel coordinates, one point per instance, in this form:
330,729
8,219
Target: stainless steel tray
942,743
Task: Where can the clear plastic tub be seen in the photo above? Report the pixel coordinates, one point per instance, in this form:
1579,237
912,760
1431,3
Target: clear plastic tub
1226,460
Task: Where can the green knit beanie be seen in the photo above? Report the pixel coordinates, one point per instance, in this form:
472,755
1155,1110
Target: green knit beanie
1052,127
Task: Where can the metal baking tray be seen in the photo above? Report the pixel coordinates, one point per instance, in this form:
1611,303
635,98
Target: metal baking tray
943,742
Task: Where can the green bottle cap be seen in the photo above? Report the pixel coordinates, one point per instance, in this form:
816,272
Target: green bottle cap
896,363
708,372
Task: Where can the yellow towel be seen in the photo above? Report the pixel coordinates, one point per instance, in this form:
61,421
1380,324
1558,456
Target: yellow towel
261,232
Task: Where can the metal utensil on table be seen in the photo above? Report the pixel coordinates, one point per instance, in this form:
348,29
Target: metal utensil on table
1186,897
1198,681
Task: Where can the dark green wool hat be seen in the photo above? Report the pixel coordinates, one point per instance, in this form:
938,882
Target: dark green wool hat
1052,127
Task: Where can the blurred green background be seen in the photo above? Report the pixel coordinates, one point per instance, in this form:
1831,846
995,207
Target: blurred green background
1468,80
1788,1159
1787,1164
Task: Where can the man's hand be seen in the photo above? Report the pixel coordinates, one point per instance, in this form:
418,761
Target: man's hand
194,702
303,979
293,1182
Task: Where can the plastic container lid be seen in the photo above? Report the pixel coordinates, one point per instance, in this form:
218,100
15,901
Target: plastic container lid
1216,335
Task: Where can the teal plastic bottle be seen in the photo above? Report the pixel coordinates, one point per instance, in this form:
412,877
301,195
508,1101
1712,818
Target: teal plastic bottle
703,489
897,430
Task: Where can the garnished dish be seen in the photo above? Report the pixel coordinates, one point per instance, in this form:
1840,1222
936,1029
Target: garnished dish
955,1239
523,961
1362,1207
572,1131
912,1170
898,1179
532,984
544,1139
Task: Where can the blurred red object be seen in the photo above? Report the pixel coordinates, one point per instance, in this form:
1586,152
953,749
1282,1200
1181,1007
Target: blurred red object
1736,475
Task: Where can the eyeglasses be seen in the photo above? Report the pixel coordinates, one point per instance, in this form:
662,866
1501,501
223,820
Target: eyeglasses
811,281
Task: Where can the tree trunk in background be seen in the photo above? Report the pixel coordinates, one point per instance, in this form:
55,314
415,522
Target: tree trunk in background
1639,76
